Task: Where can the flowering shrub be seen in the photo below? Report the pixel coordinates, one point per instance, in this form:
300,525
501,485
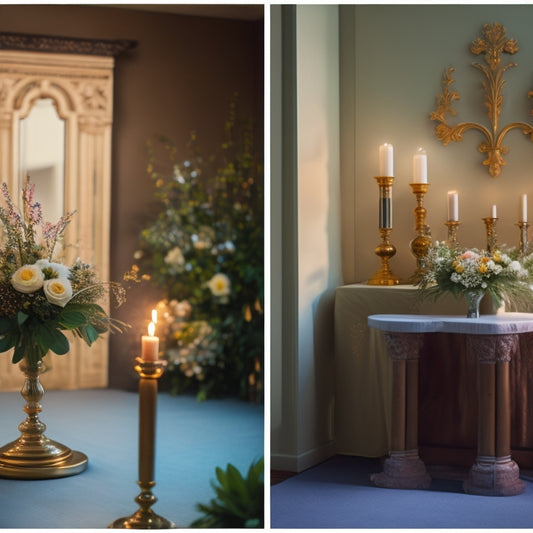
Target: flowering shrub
499,274
205,247
39,296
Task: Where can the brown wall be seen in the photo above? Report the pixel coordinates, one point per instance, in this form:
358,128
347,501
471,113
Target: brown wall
179,78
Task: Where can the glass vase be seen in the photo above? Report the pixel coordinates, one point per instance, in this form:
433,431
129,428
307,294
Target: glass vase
473,299
33,455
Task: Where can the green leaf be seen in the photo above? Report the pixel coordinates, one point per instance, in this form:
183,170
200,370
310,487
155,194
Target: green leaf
21,318
6,325
6,342
71,319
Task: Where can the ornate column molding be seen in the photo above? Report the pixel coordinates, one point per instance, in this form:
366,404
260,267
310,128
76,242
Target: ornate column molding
64,45
491,349
403,346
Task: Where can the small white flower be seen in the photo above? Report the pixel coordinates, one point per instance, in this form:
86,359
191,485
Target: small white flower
58,291
60,271
515,266
28,279
220,285
174,258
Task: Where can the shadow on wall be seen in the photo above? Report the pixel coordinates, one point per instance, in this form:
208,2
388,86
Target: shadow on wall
324,367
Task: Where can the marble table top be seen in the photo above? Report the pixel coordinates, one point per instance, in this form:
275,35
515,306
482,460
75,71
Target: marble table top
500,324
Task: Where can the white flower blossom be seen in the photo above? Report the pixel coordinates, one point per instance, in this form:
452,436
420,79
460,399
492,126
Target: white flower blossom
28,279
219,285
58,291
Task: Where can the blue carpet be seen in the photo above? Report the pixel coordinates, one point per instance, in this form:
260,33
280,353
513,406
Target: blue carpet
338,494
192,440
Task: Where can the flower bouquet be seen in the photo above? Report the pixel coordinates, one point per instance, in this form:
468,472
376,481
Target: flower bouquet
205,246
40,298
473,273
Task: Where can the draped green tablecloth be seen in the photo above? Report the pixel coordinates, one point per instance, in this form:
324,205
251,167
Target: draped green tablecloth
363,368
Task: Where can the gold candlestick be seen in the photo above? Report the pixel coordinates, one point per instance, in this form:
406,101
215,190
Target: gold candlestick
453,226
420,244
492,237
144,517
385,250
523,236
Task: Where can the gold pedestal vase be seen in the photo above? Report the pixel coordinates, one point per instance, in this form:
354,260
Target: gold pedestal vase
33,455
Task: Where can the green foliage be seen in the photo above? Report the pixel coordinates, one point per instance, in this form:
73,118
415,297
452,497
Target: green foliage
40,298
239,501
205,249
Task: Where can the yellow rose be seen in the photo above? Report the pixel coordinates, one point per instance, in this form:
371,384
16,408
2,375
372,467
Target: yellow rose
482,268
459,269
28,279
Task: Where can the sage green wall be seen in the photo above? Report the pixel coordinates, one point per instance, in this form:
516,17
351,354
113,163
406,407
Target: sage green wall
305,231
392,62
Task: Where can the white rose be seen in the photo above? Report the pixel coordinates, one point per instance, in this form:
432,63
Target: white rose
27,279
220,285
58,291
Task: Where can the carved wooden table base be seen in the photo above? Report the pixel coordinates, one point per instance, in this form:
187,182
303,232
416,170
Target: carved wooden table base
404,469
492,339
494,473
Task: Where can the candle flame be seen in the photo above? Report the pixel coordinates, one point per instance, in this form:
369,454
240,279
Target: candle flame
151,329
154,316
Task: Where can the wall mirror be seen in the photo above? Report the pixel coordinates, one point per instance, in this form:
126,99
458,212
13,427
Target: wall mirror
56,104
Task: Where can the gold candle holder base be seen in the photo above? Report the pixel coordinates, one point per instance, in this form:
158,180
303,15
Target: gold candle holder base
523,237
492,237
385,250
421,243
144,517
33,455
453,226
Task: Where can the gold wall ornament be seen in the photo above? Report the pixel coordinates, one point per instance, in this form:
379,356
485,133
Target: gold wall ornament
492,45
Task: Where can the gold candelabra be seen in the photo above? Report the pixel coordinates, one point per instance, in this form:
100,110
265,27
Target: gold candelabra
144,517
523,226
492,237
453,226
420,244
385,250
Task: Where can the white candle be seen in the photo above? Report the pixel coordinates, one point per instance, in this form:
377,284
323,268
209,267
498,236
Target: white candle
523,208
386,160
150,344
453,206
494,212
420,167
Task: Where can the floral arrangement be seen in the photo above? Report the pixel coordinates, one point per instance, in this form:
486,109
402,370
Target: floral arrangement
39,296
503,274
205,248
190,345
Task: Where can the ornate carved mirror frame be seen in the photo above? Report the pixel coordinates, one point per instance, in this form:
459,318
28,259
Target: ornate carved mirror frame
77,74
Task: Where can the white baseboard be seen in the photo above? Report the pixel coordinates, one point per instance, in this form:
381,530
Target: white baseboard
302,461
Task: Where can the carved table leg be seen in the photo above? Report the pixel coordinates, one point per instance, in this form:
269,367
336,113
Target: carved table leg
494,473
404,469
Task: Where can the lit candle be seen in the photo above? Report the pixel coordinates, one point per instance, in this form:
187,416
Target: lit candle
386,158
494,215
420,167
523,208
453,206
150,344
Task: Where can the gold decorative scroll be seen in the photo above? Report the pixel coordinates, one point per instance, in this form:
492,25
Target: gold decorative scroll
492,45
